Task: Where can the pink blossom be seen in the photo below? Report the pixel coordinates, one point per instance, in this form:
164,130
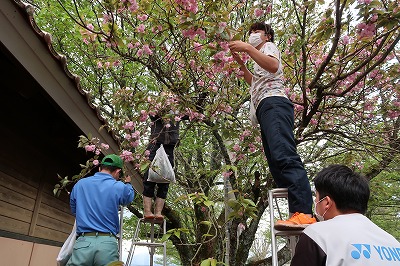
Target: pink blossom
222,25
258,12
105,146
240,157
200,83
135,143
366,30
141,28
90,147
106,18
134,6
142,17
318,62
268,9
197,46
90,26
146,153
252,147
136,134
192,63
156,29
188,5
127,156
224,46
236,147
139,53
85,41
201,33
99,64
228,109
227,174
346,39
147,50
127,136
129,125
359,165
246,133
130,45
143,116
393,114
313,121
95,162
107,64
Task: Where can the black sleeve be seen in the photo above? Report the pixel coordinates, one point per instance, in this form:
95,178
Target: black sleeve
308,253
185,117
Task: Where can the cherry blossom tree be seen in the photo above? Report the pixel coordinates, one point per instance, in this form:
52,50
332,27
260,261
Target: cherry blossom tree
170,58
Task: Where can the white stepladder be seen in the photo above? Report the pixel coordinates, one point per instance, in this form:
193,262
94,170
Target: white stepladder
291,235
149,242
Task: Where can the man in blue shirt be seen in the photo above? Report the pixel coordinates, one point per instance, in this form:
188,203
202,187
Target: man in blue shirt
95,201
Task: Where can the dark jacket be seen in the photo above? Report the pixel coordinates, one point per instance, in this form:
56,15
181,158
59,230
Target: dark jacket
163,135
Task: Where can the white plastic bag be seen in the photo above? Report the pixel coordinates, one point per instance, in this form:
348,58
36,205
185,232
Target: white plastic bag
253,116
161,170
66,250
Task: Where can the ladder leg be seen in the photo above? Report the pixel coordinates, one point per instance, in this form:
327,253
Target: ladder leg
164,244
152,250
291,236
135,236
272,223
152,244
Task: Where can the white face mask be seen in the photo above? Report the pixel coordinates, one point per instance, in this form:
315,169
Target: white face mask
319,217
255,39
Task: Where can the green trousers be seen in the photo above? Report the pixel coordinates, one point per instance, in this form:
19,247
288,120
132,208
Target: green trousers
94,251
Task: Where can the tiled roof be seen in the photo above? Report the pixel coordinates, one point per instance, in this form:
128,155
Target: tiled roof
28,11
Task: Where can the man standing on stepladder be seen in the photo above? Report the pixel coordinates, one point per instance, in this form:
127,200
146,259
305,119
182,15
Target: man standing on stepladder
275,114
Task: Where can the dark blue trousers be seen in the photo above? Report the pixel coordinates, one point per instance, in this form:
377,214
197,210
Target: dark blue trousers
276,118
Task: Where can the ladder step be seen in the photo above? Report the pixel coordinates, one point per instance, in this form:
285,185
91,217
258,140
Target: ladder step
149,244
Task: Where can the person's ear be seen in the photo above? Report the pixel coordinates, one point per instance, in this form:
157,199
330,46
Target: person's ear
329,202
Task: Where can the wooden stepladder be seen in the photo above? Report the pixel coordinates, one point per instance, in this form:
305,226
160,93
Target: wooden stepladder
147,227
291,235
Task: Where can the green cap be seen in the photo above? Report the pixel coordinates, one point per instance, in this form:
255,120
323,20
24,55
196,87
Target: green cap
113,160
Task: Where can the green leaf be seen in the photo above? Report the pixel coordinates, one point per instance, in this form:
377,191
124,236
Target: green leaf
206,262
208,223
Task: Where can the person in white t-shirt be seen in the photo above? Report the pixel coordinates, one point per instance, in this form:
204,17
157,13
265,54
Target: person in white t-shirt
346,237
275,114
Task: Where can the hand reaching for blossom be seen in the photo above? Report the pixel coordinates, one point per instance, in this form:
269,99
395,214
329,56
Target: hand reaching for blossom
237,58
239,46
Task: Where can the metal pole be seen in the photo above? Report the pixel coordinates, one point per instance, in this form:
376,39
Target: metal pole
227,196
121,222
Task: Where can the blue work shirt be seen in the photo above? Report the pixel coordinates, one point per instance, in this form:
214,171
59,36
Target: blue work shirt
95,201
